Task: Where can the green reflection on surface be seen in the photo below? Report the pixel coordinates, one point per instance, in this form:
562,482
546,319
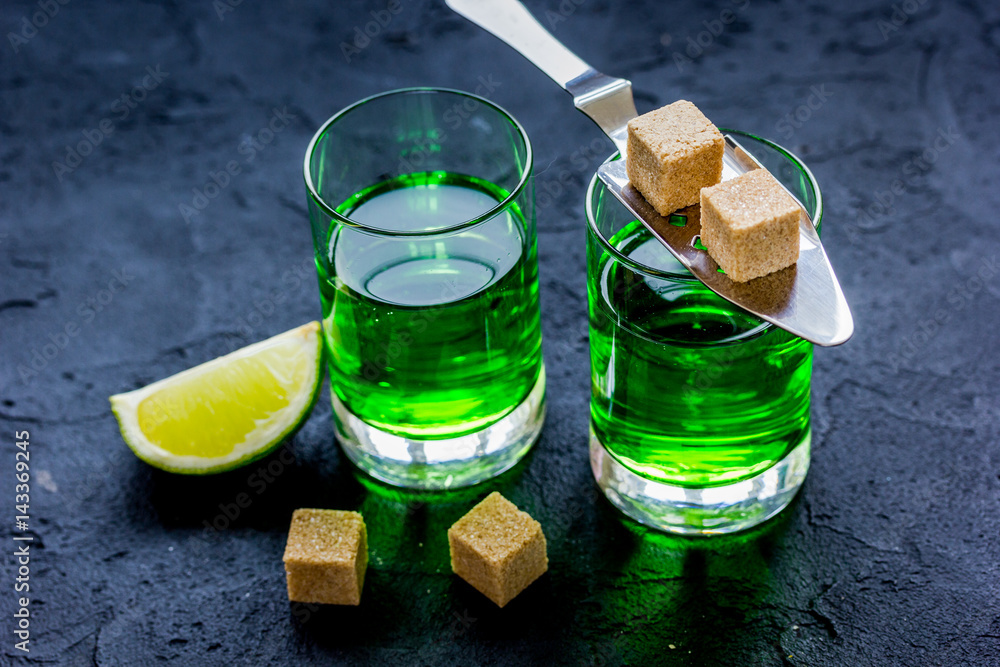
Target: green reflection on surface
680,600
408,529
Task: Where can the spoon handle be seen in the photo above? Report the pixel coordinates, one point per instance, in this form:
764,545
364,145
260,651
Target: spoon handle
606,100
806,300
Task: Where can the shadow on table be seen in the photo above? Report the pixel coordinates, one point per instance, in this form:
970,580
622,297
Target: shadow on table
411,599
263,494
260,495
616,592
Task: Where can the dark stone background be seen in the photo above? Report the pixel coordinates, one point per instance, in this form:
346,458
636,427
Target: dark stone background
888,557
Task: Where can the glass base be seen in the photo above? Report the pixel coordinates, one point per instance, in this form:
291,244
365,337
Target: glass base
444,463
705,511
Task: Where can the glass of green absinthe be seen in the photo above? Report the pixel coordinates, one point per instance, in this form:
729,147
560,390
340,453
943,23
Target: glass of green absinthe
699,410
424,232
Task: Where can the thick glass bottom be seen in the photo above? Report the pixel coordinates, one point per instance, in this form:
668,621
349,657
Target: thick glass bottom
705,511
445,463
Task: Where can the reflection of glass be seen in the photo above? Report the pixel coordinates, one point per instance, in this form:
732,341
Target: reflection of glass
687,601
409,527
424,231
699,410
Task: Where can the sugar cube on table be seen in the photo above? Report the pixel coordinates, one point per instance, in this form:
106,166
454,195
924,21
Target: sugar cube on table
498,549
326,556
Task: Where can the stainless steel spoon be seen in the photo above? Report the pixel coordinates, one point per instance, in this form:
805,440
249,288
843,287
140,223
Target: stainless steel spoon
804,299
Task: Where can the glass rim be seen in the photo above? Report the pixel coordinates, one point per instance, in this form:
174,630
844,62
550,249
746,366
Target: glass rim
670,275
421,90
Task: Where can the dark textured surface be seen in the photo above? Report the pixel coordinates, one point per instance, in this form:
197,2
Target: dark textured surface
888,557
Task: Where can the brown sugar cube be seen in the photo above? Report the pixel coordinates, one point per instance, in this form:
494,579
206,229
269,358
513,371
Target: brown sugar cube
326,556
673,153
750,225
498,549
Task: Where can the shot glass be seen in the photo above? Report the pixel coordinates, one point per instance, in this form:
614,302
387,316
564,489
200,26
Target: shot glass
421,206
699,411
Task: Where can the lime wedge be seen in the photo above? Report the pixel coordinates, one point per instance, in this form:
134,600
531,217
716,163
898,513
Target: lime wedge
228,411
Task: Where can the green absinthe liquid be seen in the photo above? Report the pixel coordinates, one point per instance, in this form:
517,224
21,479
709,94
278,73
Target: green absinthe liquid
431,336
688,389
